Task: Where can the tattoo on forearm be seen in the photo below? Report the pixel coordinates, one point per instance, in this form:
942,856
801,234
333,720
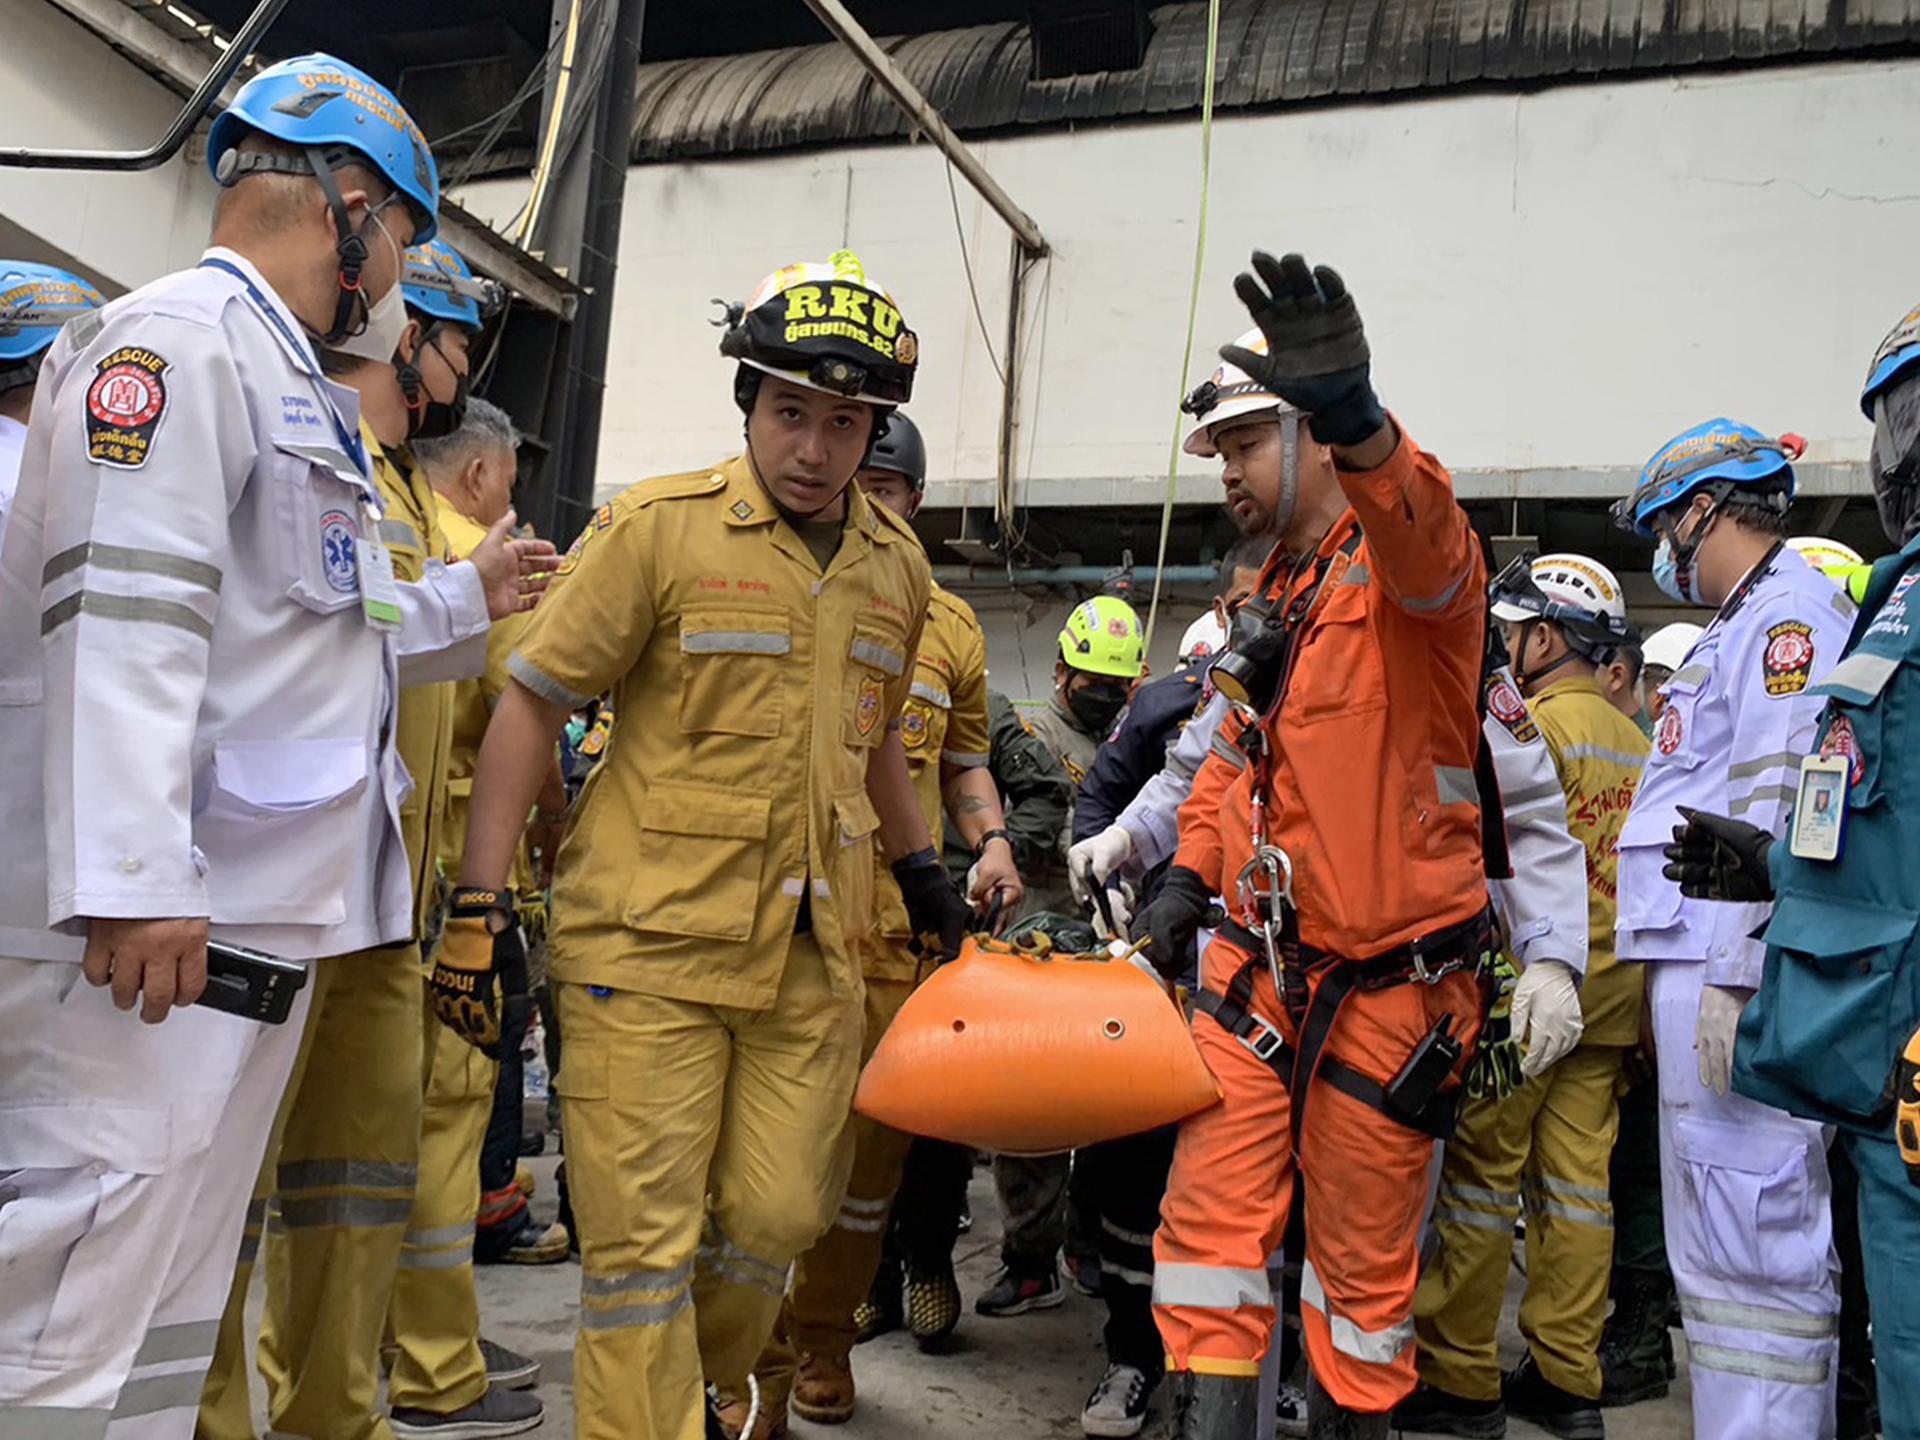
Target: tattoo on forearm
969,805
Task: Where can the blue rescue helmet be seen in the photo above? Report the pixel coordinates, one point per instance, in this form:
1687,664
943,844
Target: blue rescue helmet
1720,455
35,301
324,104
439,283
1895,358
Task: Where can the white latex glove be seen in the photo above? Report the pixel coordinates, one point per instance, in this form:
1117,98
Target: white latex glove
1120,902
1720,1008
1546,1013
1094,859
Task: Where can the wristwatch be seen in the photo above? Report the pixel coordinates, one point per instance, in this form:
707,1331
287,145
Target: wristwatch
981,848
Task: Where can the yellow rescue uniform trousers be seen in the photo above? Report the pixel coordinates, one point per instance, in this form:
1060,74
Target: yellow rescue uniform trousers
1550,1142
834,1276
341,1169
707,1147
434,1320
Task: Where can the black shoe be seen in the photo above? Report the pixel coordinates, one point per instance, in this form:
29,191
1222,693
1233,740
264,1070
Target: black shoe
1432,1411
498,1412
1636,1350
1328,1419
1529,1395
508,1370
1016,1294
882,1310
933,1305
1118,1405
1085,1271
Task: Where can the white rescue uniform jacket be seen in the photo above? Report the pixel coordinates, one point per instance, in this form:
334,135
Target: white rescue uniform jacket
13,440
1544,905
184,658
1738,721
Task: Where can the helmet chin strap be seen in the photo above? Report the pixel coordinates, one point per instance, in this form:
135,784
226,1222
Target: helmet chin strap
792,516
1528,677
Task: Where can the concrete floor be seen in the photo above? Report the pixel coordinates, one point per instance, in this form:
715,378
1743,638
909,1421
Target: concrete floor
1020,1379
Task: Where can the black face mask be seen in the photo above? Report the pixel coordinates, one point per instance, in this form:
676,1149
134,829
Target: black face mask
428,418
1896,460
1095,706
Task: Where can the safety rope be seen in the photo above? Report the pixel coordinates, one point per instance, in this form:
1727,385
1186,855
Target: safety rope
1193,315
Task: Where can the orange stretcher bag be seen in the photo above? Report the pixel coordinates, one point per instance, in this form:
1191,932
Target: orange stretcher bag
1024,1051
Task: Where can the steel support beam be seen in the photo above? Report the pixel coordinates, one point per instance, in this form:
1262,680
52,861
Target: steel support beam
491,252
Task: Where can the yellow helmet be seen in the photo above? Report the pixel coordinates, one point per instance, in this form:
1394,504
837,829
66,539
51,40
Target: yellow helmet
1103,636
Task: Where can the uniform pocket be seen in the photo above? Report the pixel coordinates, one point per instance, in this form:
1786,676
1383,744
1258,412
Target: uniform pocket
321,523
876,657
732,660
698,861
1339,671
855,823
281,829
1749,1213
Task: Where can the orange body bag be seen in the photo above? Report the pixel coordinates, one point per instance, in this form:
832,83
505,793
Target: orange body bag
1026,1052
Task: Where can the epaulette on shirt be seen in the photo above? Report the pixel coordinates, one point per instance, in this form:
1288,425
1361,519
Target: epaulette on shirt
954,603
888,519
638,497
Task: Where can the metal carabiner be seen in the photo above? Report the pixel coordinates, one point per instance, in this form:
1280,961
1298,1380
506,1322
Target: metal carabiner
1268,902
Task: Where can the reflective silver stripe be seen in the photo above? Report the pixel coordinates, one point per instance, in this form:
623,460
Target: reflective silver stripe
1141,1278
1142,1239
358,1174
1376,1347
1689,675
192,1340
1782,793
855,1226
51,1422
334,460
307,1212
1795,1323
855,1206
645,1281
1545,790
653,1313
1228,751
870,652
1456,785
794,886
399,532
1779,760
1758,1365
155,1393
435,1239
543,684
125,607
449,1259
822,888
726,1258
1437,602
1560,1209
1577,1192
1356,575
1506,1199
133,561
1210,1287
1474,1219
735,642
1867,674
1601,752
966,759
932,694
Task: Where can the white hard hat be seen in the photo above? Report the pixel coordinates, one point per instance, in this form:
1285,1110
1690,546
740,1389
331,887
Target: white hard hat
1667,647
1205,637
1826,555
1231,394
1577,581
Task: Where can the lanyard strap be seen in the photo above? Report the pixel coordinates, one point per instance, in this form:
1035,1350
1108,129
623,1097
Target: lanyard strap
349,441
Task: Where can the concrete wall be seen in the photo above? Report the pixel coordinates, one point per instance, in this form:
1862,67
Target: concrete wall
64,88
1554,283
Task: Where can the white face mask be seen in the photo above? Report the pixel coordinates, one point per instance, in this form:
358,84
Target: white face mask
386,318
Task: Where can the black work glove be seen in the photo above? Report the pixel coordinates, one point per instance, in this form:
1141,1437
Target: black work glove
1317,356
1173,920
1715,858
479,978
939,916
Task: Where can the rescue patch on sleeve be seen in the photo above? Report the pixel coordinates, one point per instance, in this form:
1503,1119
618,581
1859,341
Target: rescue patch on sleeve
125,405
1842,743
1506,706
1787,662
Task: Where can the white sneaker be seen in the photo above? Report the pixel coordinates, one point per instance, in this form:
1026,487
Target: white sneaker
1118,1405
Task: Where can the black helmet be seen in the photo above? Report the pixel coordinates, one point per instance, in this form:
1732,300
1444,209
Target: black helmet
900,449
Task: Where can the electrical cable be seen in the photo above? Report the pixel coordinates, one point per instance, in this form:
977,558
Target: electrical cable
1193,315
556,117
966,262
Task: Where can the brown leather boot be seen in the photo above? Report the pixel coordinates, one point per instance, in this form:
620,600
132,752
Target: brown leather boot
770,1425
823,1390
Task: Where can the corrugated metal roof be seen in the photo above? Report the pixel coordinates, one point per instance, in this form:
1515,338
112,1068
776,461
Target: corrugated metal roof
1271,52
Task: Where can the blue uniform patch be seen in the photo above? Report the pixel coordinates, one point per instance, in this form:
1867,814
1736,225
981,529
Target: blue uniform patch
338,535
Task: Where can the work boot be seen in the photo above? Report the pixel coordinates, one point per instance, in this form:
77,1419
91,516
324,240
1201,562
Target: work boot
1636,1349
532,1244
823,1390
933,1304
508,1369
498,1412
1016,1294
1085,1272
727,1420
1433,1411
1529,1395
882,1310
1215,1407
1328,1419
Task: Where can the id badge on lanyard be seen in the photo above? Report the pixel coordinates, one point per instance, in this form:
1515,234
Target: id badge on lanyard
1820,810
379,591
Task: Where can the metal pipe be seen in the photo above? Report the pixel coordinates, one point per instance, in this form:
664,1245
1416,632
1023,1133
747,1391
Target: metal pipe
264,14
953,576
920,110
1010,391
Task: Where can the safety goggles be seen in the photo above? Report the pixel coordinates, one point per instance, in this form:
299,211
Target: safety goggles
1896,436
1516,586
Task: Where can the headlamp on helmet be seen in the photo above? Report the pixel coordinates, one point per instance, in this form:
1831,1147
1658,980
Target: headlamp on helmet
826,327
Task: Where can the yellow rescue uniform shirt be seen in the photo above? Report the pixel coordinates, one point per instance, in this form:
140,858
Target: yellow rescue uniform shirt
410,529
944,720
752,690
1599,754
